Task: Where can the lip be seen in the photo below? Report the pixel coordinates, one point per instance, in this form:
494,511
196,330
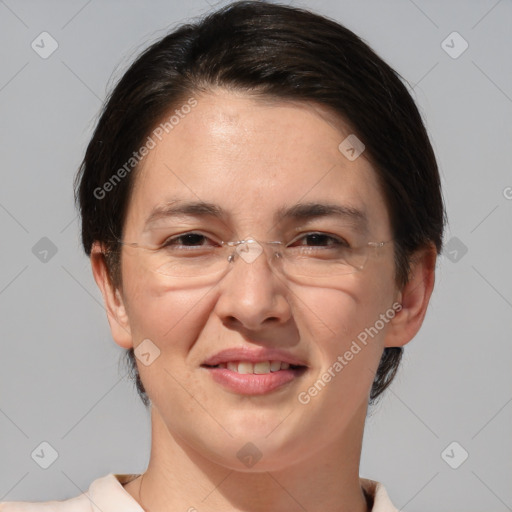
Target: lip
253,356
253,384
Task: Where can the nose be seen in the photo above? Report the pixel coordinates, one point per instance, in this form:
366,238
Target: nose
253,294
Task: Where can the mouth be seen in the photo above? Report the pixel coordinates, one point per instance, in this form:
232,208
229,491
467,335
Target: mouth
260,368
259,378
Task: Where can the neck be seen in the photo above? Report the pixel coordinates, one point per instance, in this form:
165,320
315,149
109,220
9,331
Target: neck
180,478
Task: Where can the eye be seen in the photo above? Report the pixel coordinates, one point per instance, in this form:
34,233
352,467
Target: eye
323,240
186,240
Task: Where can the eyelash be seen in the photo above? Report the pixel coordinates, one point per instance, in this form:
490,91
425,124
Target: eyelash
338,241
169,241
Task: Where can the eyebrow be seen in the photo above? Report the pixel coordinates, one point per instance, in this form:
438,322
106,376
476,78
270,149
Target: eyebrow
175,208
299,211
306,211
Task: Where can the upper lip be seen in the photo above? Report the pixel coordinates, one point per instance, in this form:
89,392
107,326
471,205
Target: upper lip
253,355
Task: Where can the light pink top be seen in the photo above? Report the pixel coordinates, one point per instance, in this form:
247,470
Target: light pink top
107,494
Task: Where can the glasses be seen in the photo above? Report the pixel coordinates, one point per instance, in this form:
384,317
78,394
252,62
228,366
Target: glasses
186,257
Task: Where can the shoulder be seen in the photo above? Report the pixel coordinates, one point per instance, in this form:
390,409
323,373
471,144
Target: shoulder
105,494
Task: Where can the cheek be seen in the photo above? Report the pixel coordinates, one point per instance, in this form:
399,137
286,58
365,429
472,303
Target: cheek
164,312
347,326
157,309
342,312
172,320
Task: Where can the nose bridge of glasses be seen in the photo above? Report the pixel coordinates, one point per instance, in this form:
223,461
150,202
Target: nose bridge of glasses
250,249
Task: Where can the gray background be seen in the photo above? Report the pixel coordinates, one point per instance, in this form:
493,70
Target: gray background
60,381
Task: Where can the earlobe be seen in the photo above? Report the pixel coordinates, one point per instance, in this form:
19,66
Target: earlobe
414,298
112,298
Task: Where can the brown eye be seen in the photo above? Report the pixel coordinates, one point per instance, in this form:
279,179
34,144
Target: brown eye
323,240
186,240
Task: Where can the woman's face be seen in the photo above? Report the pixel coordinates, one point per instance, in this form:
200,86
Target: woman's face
253,159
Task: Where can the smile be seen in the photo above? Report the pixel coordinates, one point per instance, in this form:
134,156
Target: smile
246,367
247,378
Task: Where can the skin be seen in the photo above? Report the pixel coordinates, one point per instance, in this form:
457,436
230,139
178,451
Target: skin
251,157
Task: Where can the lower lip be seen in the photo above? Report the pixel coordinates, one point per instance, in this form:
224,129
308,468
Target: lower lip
254,384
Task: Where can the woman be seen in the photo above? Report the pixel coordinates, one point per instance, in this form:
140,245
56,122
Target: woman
262,210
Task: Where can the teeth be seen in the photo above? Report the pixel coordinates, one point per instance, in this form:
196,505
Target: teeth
275,366
245,368
263,367
260,368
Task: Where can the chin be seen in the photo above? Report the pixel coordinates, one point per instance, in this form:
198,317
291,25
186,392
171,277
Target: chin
254,452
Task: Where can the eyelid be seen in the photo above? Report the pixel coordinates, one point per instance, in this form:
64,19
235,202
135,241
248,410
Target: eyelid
185,233
182,225
328,228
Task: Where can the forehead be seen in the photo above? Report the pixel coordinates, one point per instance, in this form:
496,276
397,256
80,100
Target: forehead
254,157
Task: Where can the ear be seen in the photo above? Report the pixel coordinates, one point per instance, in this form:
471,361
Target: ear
414,298
112,297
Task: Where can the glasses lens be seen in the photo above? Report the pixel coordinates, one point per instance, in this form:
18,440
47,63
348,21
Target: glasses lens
213,261
307,261
324,262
